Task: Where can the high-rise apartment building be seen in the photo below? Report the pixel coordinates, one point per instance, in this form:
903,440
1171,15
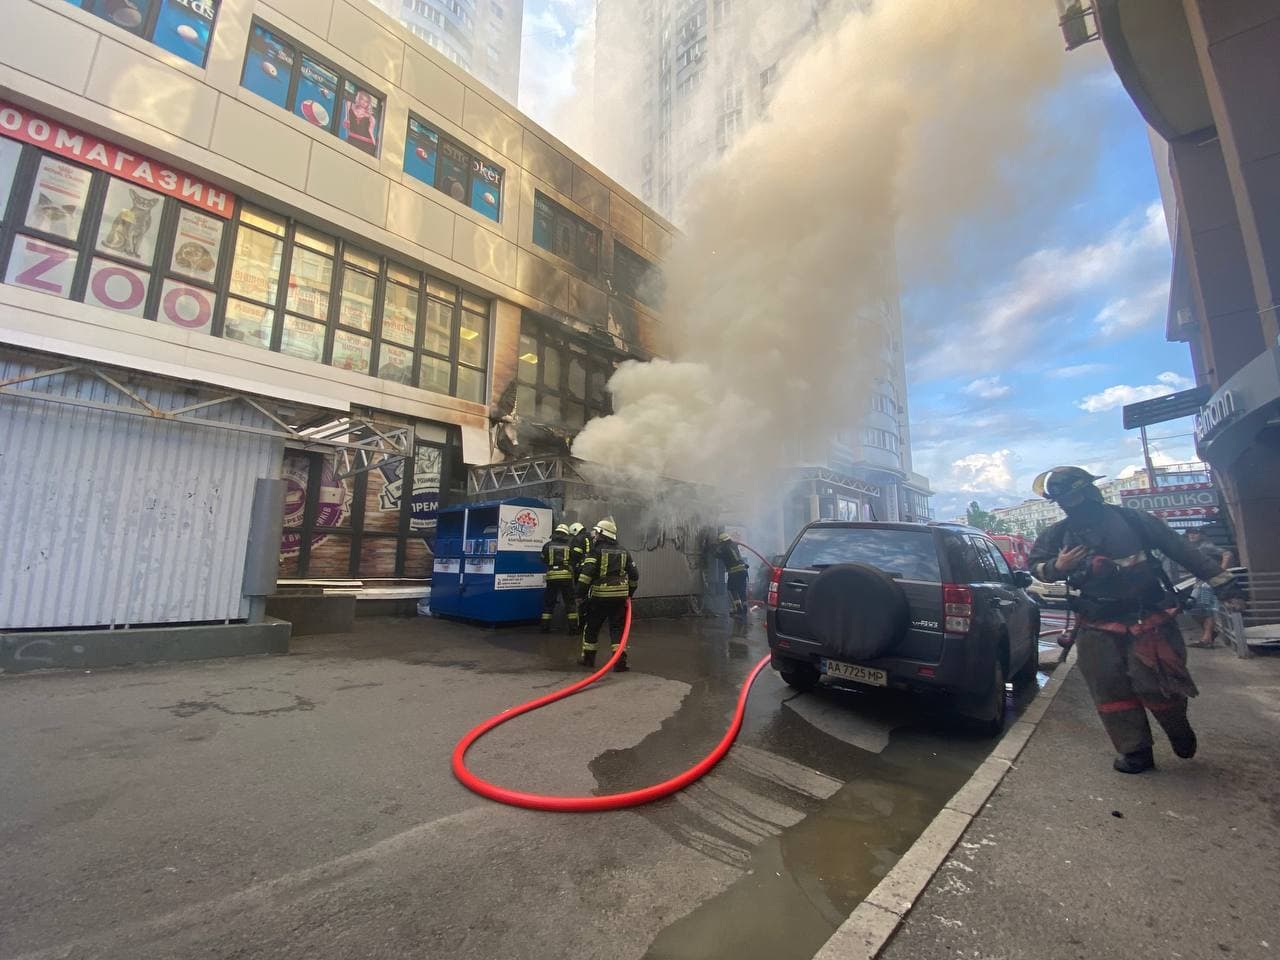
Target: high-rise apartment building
676,83
480,36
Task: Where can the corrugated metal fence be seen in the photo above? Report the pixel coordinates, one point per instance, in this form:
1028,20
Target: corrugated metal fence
109,519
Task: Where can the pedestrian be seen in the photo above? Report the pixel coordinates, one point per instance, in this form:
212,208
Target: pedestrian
556,556
735,568
607,579
1204,604
1131,650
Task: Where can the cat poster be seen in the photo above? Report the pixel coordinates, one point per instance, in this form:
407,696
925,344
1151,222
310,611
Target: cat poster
130,222
196,246
57,200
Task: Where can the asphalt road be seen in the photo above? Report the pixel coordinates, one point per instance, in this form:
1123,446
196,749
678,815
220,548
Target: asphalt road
303,807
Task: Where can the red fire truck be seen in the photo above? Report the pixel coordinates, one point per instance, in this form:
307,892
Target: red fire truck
1016,549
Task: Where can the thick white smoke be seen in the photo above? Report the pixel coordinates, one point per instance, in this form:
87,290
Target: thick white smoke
881,138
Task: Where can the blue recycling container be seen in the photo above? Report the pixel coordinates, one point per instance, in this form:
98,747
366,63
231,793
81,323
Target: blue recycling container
488,561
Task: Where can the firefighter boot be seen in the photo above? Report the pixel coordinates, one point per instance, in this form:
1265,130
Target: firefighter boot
621,665
588,659
1184,746
1139,761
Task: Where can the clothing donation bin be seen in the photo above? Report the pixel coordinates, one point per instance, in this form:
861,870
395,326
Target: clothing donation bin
488,563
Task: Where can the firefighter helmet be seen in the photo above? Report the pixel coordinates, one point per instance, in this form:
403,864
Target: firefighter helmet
724,537
563,528
607,529
575,529
1064,484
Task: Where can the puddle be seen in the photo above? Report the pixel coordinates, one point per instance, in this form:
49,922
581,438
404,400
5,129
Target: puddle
862,775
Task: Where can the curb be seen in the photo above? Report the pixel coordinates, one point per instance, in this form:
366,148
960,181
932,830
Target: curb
864,934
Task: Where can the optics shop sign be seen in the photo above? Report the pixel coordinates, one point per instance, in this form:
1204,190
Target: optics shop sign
1184,500
20,124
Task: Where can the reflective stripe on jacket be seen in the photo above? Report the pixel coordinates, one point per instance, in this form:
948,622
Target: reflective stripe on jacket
556,555
608,573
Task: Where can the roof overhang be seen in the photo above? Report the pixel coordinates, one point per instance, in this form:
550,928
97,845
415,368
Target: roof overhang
1150,45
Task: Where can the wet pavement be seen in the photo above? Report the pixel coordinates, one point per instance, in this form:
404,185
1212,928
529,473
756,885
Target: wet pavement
302,806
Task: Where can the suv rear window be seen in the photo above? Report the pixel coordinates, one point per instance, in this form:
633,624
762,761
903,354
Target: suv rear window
909,554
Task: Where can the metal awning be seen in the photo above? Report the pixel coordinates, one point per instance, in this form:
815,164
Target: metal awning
357,441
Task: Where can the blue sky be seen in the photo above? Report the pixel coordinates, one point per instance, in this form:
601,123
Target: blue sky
1043,320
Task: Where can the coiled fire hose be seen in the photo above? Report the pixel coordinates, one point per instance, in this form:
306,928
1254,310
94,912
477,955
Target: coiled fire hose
610,801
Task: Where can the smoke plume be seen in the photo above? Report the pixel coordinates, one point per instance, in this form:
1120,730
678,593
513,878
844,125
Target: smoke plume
881,138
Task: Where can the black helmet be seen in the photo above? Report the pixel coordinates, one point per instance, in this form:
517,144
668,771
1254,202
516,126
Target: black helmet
1065,484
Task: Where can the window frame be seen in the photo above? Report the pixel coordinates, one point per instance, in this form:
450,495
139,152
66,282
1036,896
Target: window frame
146,30
595,364
649,286
475,162
344,78
84,245
562,215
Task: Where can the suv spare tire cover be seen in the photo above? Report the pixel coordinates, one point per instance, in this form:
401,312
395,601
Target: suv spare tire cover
856,611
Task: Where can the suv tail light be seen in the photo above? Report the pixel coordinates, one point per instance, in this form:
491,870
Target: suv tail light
775,579
957,607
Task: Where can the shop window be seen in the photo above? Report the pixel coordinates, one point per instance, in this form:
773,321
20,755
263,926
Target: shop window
372,524
123,243
354,310
443,163
559,381
183,27
565,234
295,79
130,243
636,277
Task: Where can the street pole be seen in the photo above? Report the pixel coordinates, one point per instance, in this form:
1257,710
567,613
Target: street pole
1146,457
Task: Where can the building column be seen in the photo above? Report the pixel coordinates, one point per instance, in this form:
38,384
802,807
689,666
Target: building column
1236,44
1252,497
1220,270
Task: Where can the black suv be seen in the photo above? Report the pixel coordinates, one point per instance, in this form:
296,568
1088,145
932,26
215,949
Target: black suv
919,607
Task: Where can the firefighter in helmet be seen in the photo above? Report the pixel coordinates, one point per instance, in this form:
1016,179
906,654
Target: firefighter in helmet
607,579
579,545
727,552
1131,650
556,555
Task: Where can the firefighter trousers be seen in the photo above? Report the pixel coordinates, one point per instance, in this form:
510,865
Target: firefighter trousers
1123,689
737,586
560,590
596,612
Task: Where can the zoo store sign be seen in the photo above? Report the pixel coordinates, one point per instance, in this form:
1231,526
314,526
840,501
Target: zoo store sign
90,221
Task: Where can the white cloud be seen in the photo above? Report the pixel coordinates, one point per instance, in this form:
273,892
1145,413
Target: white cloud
983,473
1127,315
1077,370
1122,394
552,33
1017,319
988,388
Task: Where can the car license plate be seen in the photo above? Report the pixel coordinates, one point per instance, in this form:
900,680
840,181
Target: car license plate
851,671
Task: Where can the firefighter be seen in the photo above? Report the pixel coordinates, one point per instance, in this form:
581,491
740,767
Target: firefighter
579,545
606,580
727,552
556,555
1131,650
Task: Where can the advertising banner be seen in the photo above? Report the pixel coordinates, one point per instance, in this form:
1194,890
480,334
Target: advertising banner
523,529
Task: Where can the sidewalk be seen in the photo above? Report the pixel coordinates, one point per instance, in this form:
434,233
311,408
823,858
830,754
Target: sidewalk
1069,860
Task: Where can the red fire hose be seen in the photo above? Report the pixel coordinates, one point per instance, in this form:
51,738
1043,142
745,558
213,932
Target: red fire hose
612,801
